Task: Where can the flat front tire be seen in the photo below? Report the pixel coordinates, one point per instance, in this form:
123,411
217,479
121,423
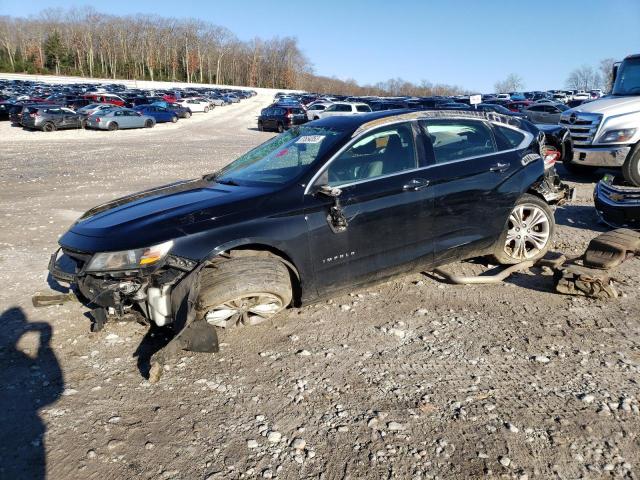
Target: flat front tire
244,291
528,232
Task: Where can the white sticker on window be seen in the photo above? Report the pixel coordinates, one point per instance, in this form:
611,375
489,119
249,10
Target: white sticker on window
310,139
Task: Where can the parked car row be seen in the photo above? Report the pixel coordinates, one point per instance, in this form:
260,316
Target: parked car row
46,107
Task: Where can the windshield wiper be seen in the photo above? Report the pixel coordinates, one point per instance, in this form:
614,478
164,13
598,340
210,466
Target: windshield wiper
226,181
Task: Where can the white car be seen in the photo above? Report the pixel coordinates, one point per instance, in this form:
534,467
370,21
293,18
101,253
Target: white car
344,108
503,96
315,108
195,105
581,95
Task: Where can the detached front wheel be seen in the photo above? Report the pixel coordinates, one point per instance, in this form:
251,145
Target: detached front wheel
528,232
244,291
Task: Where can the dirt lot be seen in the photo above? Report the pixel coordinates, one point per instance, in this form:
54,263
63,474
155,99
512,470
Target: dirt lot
409,379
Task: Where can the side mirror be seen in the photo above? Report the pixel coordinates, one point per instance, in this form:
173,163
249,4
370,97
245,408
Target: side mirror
333,192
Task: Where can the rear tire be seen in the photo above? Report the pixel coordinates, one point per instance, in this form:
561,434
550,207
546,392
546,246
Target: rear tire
174,119
206,109
149,124
113,126
280,128
527,233
187,115
244,291
631,167
260,127
49,127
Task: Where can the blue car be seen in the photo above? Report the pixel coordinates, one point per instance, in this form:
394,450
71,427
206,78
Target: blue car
159,113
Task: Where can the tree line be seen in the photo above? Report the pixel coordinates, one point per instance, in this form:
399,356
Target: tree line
84,42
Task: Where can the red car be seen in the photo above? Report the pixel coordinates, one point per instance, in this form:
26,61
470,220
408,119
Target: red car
519,105
96,97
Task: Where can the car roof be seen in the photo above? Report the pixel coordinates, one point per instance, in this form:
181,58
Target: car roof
366,121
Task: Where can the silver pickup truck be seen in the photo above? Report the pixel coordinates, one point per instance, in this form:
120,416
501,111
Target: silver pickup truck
606,132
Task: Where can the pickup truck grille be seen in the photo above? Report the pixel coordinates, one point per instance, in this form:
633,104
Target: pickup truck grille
582,126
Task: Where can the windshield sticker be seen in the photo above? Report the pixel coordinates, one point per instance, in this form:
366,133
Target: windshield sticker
282,152
311,139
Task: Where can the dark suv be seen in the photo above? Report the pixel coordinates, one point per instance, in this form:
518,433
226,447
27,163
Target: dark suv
281,117
330,205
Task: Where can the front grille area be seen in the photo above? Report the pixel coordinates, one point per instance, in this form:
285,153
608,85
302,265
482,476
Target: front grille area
582,126
621,195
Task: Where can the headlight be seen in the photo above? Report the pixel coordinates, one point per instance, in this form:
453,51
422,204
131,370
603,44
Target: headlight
129,259
614,136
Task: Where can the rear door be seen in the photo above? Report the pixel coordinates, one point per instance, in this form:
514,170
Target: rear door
467,179
386,203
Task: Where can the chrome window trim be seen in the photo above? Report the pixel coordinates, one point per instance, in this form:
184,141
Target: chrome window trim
528,137
352,142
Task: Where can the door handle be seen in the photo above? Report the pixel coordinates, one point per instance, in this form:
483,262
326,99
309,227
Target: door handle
500,167
416,184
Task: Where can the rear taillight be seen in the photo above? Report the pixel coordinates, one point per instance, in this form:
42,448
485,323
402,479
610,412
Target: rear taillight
98,119
550,156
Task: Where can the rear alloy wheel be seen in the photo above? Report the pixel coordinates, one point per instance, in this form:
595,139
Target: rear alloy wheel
206,109
528,232
49,127
244,291
280,128
149,123
174,119
113,126
187,115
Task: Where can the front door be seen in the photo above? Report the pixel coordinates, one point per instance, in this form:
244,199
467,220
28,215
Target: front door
386,203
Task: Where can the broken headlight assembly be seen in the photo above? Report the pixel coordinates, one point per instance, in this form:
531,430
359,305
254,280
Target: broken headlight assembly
129,259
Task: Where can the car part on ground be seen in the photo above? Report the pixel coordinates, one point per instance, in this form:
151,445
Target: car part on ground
610,249
588,275
587,282
484,279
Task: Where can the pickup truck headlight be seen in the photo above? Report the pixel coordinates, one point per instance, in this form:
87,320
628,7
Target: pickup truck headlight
616,136
129,259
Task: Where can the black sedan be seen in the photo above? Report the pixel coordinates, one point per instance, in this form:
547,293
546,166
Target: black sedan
325,206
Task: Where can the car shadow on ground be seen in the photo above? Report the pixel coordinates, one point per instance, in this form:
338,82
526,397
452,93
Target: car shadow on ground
30,379
579,216
153,341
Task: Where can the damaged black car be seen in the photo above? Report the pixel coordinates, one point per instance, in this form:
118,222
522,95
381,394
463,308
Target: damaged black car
331,205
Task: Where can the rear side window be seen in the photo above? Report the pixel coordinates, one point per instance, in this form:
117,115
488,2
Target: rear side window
508,138
454,140
363,108
343,108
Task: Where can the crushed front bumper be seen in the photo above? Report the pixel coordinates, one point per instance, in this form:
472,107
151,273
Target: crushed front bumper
617,206
157,294
600,156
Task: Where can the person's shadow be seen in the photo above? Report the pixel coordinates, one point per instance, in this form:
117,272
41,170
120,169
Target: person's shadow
29,381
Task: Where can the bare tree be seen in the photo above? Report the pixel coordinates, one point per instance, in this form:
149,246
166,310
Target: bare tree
513,83
605,69
584,78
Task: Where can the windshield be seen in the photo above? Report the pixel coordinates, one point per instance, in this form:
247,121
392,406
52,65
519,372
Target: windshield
628,78
280,159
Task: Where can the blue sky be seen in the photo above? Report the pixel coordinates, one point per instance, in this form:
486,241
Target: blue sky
468,43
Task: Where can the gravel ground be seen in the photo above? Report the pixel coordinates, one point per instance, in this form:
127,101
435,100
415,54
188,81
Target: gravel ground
408,379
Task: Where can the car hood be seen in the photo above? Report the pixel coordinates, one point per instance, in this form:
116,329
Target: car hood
610,106
156,215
